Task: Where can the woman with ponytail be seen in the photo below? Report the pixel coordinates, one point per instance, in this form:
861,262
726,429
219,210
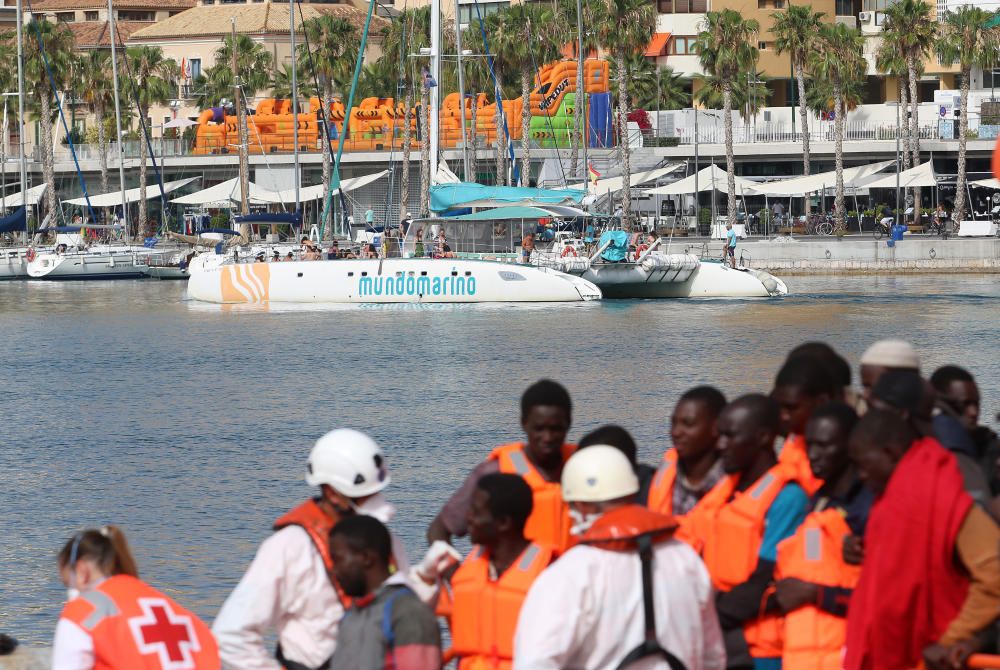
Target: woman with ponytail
114,621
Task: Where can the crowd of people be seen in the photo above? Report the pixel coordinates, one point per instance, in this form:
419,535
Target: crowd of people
810,527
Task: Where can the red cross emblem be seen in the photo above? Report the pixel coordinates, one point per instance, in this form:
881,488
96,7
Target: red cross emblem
162,632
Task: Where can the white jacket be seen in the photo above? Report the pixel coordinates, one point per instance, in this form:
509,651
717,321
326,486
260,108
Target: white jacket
585,611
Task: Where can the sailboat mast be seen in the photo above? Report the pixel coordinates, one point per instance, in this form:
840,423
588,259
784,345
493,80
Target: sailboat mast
244,148
20,112
295,101
461,95
435,91
118,112
581,96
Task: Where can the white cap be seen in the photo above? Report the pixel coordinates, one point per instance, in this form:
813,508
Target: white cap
598,473
892,354
348,461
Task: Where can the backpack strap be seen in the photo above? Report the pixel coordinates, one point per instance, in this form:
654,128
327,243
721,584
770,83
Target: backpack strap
387,633
650,645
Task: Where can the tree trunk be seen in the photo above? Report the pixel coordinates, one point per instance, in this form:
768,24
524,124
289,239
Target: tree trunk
963,129
142,229
102,143
425,151
501,142
525,132
404,185
48,167
241,125
578,125
800,75
473,140
623,139
3,161
727,112
911,65
840,107
904,124
327,98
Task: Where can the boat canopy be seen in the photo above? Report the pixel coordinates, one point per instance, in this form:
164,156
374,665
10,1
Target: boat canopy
519,212
15,222
76,229
465,194
617,249
114,198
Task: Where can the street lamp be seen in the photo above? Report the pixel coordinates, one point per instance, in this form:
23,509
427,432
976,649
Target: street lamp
898,107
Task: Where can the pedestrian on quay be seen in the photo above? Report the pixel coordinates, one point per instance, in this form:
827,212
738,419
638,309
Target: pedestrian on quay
622,440
692,466
628,591
290,587
814,581
387,625
737,526
488,589
546,414
930,581
883,356
115,621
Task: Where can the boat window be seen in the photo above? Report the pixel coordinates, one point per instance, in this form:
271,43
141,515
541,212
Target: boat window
412,273
364,274
468,273
300,274
423,273
507,275
454,273
399,274
350,274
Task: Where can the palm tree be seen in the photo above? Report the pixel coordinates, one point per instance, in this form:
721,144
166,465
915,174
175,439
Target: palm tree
626,28
795,31
281,83
96,87
748,90
889,58
819,96
151,81
334,44
504,66
8,81
725,48
966,39
57,42
838,62
909,25
395,50
647,81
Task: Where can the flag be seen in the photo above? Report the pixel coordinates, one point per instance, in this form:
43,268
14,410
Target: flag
594,174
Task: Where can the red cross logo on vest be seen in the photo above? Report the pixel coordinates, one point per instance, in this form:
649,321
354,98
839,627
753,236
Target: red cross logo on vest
162,632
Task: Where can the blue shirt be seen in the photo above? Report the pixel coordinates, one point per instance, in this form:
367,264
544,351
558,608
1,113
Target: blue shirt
731,234
787,513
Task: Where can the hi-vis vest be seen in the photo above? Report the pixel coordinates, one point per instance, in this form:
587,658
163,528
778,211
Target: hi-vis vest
135,627
661,490
814,639
726,528
318,525
484,612
549,522
795,453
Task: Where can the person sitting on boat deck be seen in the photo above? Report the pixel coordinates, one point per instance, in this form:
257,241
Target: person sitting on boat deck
883,356
289,256
622,440
489,587
260,257
692,466
333,253
729,251
737,526
290,587
387,625
418,243
930,581
814,582
627,592
115,621
527,247
546,414
803,384
276,258
643,247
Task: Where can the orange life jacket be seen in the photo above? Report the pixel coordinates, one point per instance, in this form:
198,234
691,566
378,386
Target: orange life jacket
814,639
795,453
318,525
484,612
727,528
135,627
661,490
549,522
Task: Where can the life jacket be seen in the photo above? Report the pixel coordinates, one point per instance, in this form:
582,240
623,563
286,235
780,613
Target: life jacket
549,522
795,453
484,612
135,627
318,525
726,528
814,639
661,490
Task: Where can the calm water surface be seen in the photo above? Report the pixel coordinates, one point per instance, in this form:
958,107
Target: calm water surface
189,424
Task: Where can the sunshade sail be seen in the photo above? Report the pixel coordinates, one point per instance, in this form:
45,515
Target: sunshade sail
316,192
34,194
114,199
920,176
986,183
220,195
853,177
708,178
615,184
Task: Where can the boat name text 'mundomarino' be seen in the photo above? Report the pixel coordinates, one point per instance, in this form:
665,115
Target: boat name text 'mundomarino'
465,286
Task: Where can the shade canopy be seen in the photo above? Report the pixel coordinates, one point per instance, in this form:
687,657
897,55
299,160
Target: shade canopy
317,192
712,177
32,196
854,177
448,196
114,199
917,177
615,184
180,122
986,183
228,192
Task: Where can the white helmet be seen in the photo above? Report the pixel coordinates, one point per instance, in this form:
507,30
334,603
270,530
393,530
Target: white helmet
348,461
598,473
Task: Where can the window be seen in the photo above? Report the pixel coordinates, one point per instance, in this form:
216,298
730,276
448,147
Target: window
136,16
685,6
66,17
467,13
873,5
845,7
166,120
682,46
762,46
90,16
665,6
195,68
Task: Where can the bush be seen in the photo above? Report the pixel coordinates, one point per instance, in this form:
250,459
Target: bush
220,220
704,217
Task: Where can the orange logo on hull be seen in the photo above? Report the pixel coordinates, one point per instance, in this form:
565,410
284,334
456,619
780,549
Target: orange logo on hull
246,283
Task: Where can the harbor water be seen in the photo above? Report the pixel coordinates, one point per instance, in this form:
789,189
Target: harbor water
189,424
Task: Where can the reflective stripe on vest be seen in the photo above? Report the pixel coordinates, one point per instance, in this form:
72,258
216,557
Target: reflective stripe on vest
103,606
520,463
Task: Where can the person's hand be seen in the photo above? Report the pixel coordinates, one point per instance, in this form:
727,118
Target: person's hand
794,593
936,657
854,550
959,653
439,558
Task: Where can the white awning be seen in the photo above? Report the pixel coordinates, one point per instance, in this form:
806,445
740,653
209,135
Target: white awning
114,199
986,183
614,184
708,178
34,194
220,195
853,177
920,176
316,192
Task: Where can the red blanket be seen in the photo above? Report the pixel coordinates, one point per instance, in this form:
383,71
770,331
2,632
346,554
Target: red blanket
910,587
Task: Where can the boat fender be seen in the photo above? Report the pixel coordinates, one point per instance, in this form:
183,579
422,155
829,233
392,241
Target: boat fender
30,254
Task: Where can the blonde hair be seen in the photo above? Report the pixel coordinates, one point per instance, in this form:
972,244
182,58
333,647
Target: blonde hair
106,546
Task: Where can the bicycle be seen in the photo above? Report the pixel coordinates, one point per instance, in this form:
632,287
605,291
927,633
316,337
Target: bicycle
942,227
881,229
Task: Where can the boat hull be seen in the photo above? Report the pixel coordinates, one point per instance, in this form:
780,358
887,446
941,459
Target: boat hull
708,280
394,280
12,264
97,265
